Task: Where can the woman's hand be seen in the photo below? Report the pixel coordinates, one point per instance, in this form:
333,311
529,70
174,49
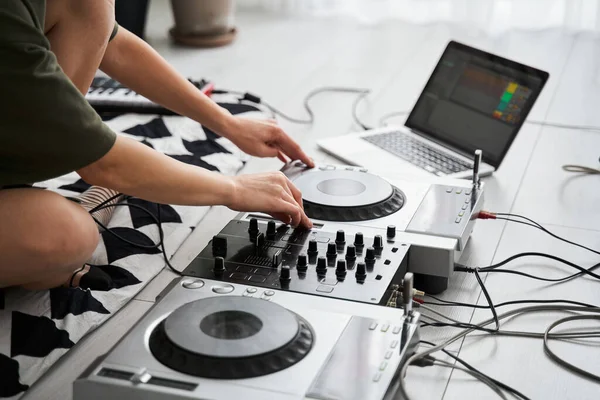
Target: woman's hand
265,139
271,193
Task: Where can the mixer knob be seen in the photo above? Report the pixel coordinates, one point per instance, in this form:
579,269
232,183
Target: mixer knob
271,230
340,237
351,253
378,242
219,245
340,270
301,264
284,276
370,256
253,228
312,247
322,265
219,266
359,240
391,231
361,272
331,250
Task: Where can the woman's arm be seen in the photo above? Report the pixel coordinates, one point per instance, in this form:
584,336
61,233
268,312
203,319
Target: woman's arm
131,61
134,169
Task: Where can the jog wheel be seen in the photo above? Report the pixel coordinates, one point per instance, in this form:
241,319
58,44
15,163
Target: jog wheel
231,337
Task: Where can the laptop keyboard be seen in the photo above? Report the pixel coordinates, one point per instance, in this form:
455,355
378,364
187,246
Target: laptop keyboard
418,153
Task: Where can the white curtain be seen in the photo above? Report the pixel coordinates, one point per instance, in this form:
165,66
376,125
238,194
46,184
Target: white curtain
492,16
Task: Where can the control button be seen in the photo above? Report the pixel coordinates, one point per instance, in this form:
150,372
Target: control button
219,266
388,355
257,279
247,294
265,298
361,272
219,245
251,290
394,249
373,326
192,283
359,240
323,167
351,253
331,250
269,293
396,330
377,377
394,344
322,265
457,220
378,242
387,262
363,170
223,288
284,276
141,377
391,231
340,237
349,169
378,277
301,264
340,270
383,365
276,259
385,327
330,167
240,276
370,256
271,230
468,192
449,190
458,191
253,228
465,206
467,201
312,247
244,268
460,214
324,288
263,272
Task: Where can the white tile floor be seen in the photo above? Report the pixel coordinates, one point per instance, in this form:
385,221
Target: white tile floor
283,59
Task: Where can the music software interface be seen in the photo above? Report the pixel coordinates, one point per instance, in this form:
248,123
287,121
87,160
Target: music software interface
473,102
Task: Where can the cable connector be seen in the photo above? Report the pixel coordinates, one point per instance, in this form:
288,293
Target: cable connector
486,215
464,268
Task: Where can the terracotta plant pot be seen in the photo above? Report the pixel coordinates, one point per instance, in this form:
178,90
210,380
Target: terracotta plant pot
203,23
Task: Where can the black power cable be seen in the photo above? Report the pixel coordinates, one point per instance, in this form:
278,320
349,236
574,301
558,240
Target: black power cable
447,303
157,220
488,298
504,386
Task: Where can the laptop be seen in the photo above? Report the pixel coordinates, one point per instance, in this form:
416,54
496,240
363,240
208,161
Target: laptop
472,100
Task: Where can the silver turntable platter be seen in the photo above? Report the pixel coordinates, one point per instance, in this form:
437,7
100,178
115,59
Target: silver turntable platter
341,188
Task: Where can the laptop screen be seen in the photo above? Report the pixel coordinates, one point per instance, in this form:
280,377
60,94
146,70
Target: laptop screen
476,100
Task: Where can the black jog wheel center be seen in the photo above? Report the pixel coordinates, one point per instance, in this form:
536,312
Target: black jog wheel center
231,338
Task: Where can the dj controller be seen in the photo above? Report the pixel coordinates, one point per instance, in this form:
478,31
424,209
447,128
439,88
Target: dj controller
266,310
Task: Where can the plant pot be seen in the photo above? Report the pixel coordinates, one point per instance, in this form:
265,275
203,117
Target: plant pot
203,23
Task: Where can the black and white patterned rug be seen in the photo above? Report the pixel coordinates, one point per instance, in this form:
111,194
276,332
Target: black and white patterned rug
39,327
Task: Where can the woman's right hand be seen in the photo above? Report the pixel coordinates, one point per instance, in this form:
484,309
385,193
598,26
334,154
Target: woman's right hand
272,193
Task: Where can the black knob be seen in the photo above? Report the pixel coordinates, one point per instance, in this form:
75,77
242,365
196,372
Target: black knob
359,239
351,253
312,246
340,270
331,250
219,245
391,231
361,272
340,237
370,256
271,230
284,275
219,266
322,265
378,242
253,228
301,264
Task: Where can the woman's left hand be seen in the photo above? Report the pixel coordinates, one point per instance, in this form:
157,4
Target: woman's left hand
264,138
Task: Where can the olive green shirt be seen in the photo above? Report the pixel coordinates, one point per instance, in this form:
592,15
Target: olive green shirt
47,128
